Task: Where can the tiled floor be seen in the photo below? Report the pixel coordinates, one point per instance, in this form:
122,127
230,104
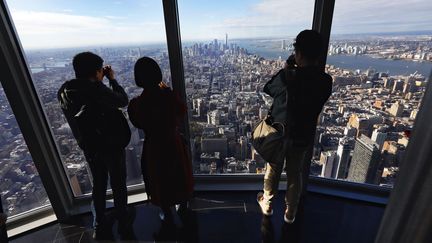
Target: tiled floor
235,217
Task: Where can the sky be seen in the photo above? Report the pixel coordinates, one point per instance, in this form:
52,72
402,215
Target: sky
66,23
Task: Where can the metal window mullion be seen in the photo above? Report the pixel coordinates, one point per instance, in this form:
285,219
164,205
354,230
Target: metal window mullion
172,27
18,86
322,21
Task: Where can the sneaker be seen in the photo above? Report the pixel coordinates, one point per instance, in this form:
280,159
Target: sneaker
266,208
287,218
102,233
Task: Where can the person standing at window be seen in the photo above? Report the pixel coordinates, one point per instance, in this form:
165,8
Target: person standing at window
165,162
299,92
92,111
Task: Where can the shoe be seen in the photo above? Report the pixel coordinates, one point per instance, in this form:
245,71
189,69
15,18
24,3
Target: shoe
102,233
266,207
287,219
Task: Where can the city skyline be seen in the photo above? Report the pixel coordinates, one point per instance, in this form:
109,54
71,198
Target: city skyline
224,90
48,24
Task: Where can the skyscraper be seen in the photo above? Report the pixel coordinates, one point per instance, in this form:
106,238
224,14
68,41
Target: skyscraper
226,41
343,154
328,160
365,161
379,136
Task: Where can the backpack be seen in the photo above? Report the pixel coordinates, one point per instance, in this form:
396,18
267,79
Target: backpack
102,128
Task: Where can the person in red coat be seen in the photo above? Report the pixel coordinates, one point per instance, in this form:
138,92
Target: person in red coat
165,160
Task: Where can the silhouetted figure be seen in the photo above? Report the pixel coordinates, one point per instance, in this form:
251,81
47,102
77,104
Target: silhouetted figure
165,162
299,92
3,231
92,111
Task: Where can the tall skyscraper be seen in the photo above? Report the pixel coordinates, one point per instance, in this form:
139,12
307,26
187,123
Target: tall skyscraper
328,160
226,40
379,136
365,162
343,154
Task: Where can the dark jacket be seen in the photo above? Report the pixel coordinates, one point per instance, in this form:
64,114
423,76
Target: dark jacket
77,94
298,98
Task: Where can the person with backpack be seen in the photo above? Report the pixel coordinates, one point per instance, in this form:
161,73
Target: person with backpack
299,92
102,132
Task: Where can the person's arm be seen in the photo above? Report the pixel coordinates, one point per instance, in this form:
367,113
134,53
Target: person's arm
115,96
273,86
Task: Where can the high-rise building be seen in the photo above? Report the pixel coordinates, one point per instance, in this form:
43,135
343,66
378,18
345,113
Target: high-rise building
396,109
329,164
365,162
346,145
350,131
226,41
283,46
211,145
398,86
379,136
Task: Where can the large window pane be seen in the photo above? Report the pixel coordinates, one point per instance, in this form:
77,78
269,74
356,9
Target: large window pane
231,49
20,185
52,32
379,81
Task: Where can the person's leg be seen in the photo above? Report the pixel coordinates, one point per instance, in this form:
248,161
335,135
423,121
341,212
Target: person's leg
271,184
117,172
100,178
271,180
294,168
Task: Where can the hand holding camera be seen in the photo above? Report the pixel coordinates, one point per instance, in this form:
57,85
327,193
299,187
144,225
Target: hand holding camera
291,62
108,72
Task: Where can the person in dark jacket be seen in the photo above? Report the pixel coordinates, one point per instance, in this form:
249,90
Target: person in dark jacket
92,111
165,161
3,219
299,92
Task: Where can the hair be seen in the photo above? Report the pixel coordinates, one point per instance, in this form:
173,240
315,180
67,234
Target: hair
147,73
309,43
86,64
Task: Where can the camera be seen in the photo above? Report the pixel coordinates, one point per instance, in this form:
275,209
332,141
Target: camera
291,63
106,70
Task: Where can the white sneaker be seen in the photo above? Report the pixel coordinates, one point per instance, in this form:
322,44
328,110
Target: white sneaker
266,207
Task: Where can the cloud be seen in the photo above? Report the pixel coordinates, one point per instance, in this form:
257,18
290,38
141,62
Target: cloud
287,18
268,18
58,29
374,16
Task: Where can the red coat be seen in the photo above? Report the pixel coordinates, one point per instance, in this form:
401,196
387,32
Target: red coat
165,160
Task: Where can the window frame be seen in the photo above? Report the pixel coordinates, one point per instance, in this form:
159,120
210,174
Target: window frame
19,88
